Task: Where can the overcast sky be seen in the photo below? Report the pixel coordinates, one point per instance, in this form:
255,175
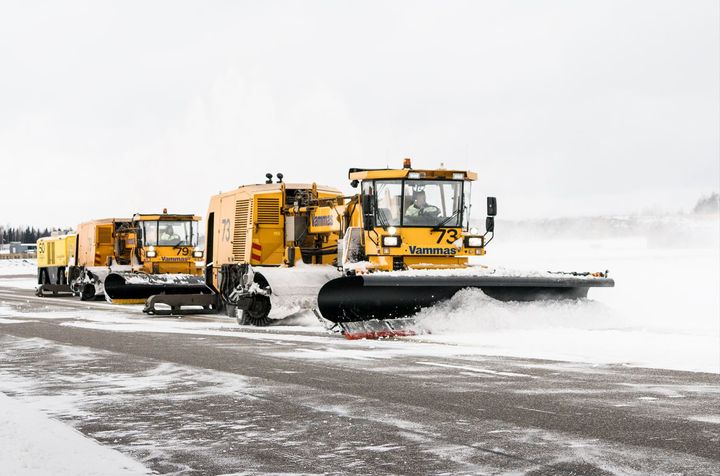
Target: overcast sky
562,107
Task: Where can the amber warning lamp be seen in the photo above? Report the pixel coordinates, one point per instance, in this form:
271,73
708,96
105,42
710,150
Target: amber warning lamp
407,163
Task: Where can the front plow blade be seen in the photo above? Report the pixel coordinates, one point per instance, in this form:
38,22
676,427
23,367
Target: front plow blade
383,296
135,288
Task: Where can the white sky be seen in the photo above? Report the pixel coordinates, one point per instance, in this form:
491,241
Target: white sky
562,107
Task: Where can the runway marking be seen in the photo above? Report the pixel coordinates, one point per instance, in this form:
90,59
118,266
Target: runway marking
536,410
476,369
11,321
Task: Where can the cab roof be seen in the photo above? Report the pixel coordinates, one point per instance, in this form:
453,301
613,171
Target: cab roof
404,173
165,216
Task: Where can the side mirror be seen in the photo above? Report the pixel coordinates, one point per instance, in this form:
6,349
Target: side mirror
279,177
354,183
268,178
490,224
491,206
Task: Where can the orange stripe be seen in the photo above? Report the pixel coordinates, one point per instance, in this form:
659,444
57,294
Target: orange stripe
256,246
256,257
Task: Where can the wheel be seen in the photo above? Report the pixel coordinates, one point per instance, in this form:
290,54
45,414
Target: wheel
258,313
87,293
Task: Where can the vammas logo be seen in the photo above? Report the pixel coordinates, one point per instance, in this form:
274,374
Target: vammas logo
416,250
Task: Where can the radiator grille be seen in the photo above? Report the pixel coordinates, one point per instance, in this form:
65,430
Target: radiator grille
268,211
104,235
242,217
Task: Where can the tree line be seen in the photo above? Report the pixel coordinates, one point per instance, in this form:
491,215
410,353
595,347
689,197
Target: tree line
23,235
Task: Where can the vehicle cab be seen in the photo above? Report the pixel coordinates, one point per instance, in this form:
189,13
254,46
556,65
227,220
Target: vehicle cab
413,219
166,243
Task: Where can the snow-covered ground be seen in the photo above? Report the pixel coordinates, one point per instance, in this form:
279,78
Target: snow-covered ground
10,267
33,444
664,311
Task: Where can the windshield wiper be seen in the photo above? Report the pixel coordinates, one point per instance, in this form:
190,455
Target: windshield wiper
437,227
380,214
382,218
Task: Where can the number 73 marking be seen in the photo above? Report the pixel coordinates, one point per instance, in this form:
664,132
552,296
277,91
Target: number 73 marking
452,234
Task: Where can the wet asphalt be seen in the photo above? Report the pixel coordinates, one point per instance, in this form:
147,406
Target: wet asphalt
255,401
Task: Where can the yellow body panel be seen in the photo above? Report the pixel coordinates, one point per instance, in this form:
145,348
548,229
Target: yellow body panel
260,224
96,241
325,220
420,248
56,251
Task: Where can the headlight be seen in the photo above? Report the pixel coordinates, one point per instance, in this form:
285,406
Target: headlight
391,241
197,254
458,175
474,231
474,242
151,253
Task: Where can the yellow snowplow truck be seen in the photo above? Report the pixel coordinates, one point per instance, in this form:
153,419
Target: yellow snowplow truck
402,243
284,233
128,260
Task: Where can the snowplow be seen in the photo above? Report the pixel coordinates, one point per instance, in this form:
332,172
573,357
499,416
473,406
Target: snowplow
127,260
55,258
363,262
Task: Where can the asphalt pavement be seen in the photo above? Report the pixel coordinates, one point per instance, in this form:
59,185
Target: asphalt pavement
210,397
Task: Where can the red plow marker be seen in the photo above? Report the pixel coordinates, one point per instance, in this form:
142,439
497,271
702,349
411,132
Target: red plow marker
381,329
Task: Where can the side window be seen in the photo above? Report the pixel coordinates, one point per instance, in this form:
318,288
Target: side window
389,201
150,235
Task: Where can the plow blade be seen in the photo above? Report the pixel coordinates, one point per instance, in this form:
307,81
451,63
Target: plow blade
381,297
135,288
181,304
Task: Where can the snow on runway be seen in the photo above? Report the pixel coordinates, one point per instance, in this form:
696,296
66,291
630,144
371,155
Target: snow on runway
33,444
663,312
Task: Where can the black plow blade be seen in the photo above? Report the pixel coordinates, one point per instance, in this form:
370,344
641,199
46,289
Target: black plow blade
381,296
127,288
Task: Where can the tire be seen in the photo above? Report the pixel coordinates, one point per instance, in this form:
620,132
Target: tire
258,313
87,293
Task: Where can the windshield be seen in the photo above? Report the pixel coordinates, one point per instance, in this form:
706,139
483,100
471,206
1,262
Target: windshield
169,233
419,202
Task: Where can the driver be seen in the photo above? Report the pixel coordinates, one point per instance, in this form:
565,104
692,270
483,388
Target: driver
420,207
169,235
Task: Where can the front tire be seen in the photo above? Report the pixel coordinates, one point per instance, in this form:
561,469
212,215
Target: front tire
88,292
258,313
